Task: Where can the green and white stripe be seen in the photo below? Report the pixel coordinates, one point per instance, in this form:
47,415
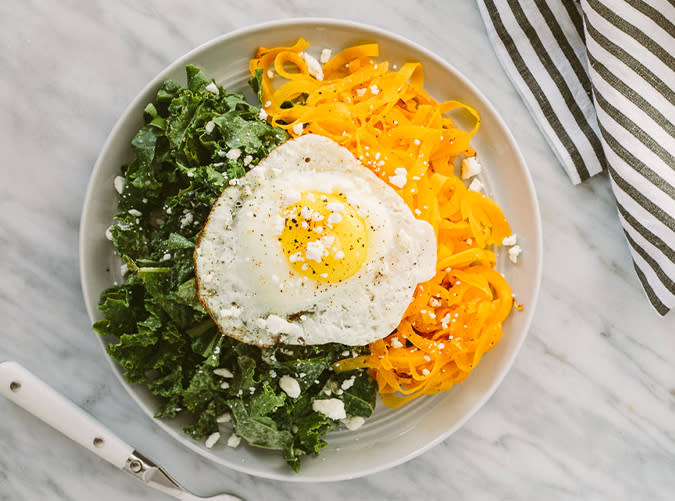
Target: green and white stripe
598,76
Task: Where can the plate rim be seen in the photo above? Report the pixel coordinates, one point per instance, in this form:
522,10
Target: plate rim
535,248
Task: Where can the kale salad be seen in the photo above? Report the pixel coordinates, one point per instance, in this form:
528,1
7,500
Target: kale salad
196,139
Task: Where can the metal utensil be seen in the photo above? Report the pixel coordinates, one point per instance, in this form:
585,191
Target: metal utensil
28,391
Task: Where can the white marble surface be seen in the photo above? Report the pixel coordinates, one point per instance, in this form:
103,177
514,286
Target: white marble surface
587,412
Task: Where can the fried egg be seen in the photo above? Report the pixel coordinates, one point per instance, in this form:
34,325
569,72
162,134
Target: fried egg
311,247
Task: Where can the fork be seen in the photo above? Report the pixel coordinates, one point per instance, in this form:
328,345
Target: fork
32,394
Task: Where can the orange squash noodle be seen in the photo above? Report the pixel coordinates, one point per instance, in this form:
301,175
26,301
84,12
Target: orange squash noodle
397,130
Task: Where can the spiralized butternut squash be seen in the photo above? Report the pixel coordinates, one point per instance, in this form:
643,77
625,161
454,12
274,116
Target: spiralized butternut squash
387,120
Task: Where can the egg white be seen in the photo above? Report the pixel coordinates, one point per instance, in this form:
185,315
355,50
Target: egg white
247,284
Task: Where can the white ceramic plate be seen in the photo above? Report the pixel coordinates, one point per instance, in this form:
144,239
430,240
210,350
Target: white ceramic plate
389,437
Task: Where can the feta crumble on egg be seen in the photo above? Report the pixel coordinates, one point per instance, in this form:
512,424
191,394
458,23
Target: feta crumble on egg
315,251
510,240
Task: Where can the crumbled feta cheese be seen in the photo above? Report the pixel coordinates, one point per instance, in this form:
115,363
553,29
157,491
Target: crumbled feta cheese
425,372
212,88
325,56
470,167
263,114
119,183
294,258
374,90
270,73
361,92
417,142
135,212
400,177
339,255
233,154
233,441
124,269
314,250
212,439
313,66
248,159
332,408
396,343
348,383
186,220
297,129
334,218
224,418
335,206
221,153
445,320
514,252
210,125
230,312
166,257
223,372
353,423
108,233
476,185
224,385
510,240
277,325
290,386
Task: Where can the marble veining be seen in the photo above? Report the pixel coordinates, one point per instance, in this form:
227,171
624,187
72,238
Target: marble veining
587,412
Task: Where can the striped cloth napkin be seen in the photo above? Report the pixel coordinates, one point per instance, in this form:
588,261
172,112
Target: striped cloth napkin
598,77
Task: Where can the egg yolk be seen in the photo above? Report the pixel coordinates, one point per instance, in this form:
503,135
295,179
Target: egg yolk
324,237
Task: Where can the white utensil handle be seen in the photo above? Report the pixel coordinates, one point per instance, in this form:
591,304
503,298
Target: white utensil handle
28,391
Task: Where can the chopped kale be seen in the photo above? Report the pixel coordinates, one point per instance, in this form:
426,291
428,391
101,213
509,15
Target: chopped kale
163,336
